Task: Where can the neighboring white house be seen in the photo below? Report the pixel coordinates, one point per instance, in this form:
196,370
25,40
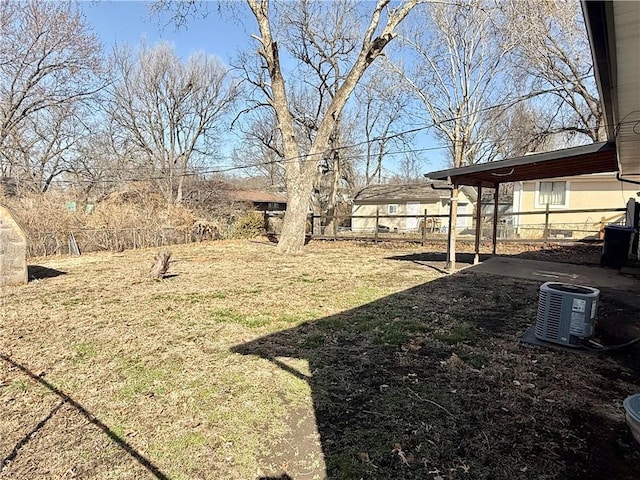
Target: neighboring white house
582,192
401,207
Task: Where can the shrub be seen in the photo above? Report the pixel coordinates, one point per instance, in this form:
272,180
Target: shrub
274,225
248,225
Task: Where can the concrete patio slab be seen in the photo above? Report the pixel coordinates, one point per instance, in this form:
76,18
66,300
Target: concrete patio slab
592,276
614,286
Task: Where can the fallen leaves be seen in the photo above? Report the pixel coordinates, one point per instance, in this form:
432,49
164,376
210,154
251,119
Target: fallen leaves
405,458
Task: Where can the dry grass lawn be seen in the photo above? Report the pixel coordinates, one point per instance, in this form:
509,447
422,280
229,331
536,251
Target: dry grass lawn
341,362
153,361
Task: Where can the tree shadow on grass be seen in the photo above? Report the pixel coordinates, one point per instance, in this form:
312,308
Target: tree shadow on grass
438,257
430,381
38,272
66,399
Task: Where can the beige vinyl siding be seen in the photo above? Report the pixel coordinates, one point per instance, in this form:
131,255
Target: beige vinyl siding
583,192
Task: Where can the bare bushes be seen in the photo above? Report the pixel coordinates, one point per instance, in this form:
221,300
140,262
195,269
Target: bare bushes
133,218
46,220
136,216
217,211
205,230
274,223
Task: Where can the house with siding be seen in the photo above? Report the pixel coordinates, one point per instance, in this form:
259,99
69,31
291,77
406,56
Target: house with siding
563,195
401,207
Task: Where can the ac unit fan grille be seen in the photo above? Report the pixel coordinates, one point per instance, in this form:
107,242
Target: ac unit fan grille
549,315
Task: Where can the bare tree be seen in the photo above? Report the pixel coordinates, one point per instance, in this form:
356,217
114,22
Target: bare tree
49,63
301,166
553,61
456,71
260,150
44,146
383,103
323,40
410,170
170,111
515,131
99,165
301,170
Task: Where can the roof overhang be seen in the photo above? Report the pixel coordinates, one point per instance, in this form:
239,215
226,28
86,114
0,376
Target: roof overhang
593,158
614,35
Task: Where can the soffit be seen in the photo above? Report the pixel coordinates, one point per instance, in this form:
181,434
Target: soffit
593,158
627,61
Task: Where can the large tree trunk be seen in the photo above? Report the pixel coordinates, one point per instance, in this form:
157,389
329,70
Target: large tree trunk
300,174
332,210
295,218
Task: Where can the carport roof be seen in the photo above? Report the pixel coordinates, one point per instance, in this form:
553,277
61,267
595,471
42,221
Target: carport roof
593,158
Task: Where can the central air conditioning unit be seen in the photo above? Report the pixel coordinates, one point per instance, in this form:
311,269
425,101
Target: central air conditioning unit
566,313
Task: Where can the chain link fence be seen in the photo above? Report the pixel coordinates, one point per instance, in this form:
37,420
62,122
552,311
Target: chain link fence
512,226
44,244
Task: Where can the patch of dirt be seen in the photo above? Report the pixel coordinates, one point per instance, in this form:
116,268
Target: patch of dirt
299,454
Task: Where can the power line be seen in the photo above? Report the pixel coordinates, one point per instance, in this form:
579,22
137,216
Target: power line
306,157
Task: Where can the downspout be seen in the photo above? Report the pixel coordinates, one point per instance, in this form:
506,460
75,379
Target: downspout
451,239
453,220
625,180
518,190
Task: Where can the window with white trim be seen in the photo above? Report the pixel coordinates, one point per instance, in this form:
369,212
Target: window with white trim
553,194
392,209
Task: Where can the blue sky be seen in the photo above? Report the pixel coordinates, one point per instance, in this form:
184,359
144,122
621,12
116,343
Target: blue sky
218,34
130,21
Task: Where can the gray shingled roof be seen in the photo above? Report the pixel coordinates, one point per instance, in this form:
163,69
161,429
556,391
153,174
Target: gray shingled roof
256,196
401,193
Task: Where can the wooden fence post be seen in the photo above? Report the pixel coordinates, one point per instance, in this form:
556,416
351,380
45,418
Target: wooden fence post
377,224
476,258
424,228
545,235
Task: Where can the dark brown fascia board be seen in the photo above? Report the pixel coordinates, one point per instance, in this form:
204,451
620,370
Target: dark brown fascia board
463,172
